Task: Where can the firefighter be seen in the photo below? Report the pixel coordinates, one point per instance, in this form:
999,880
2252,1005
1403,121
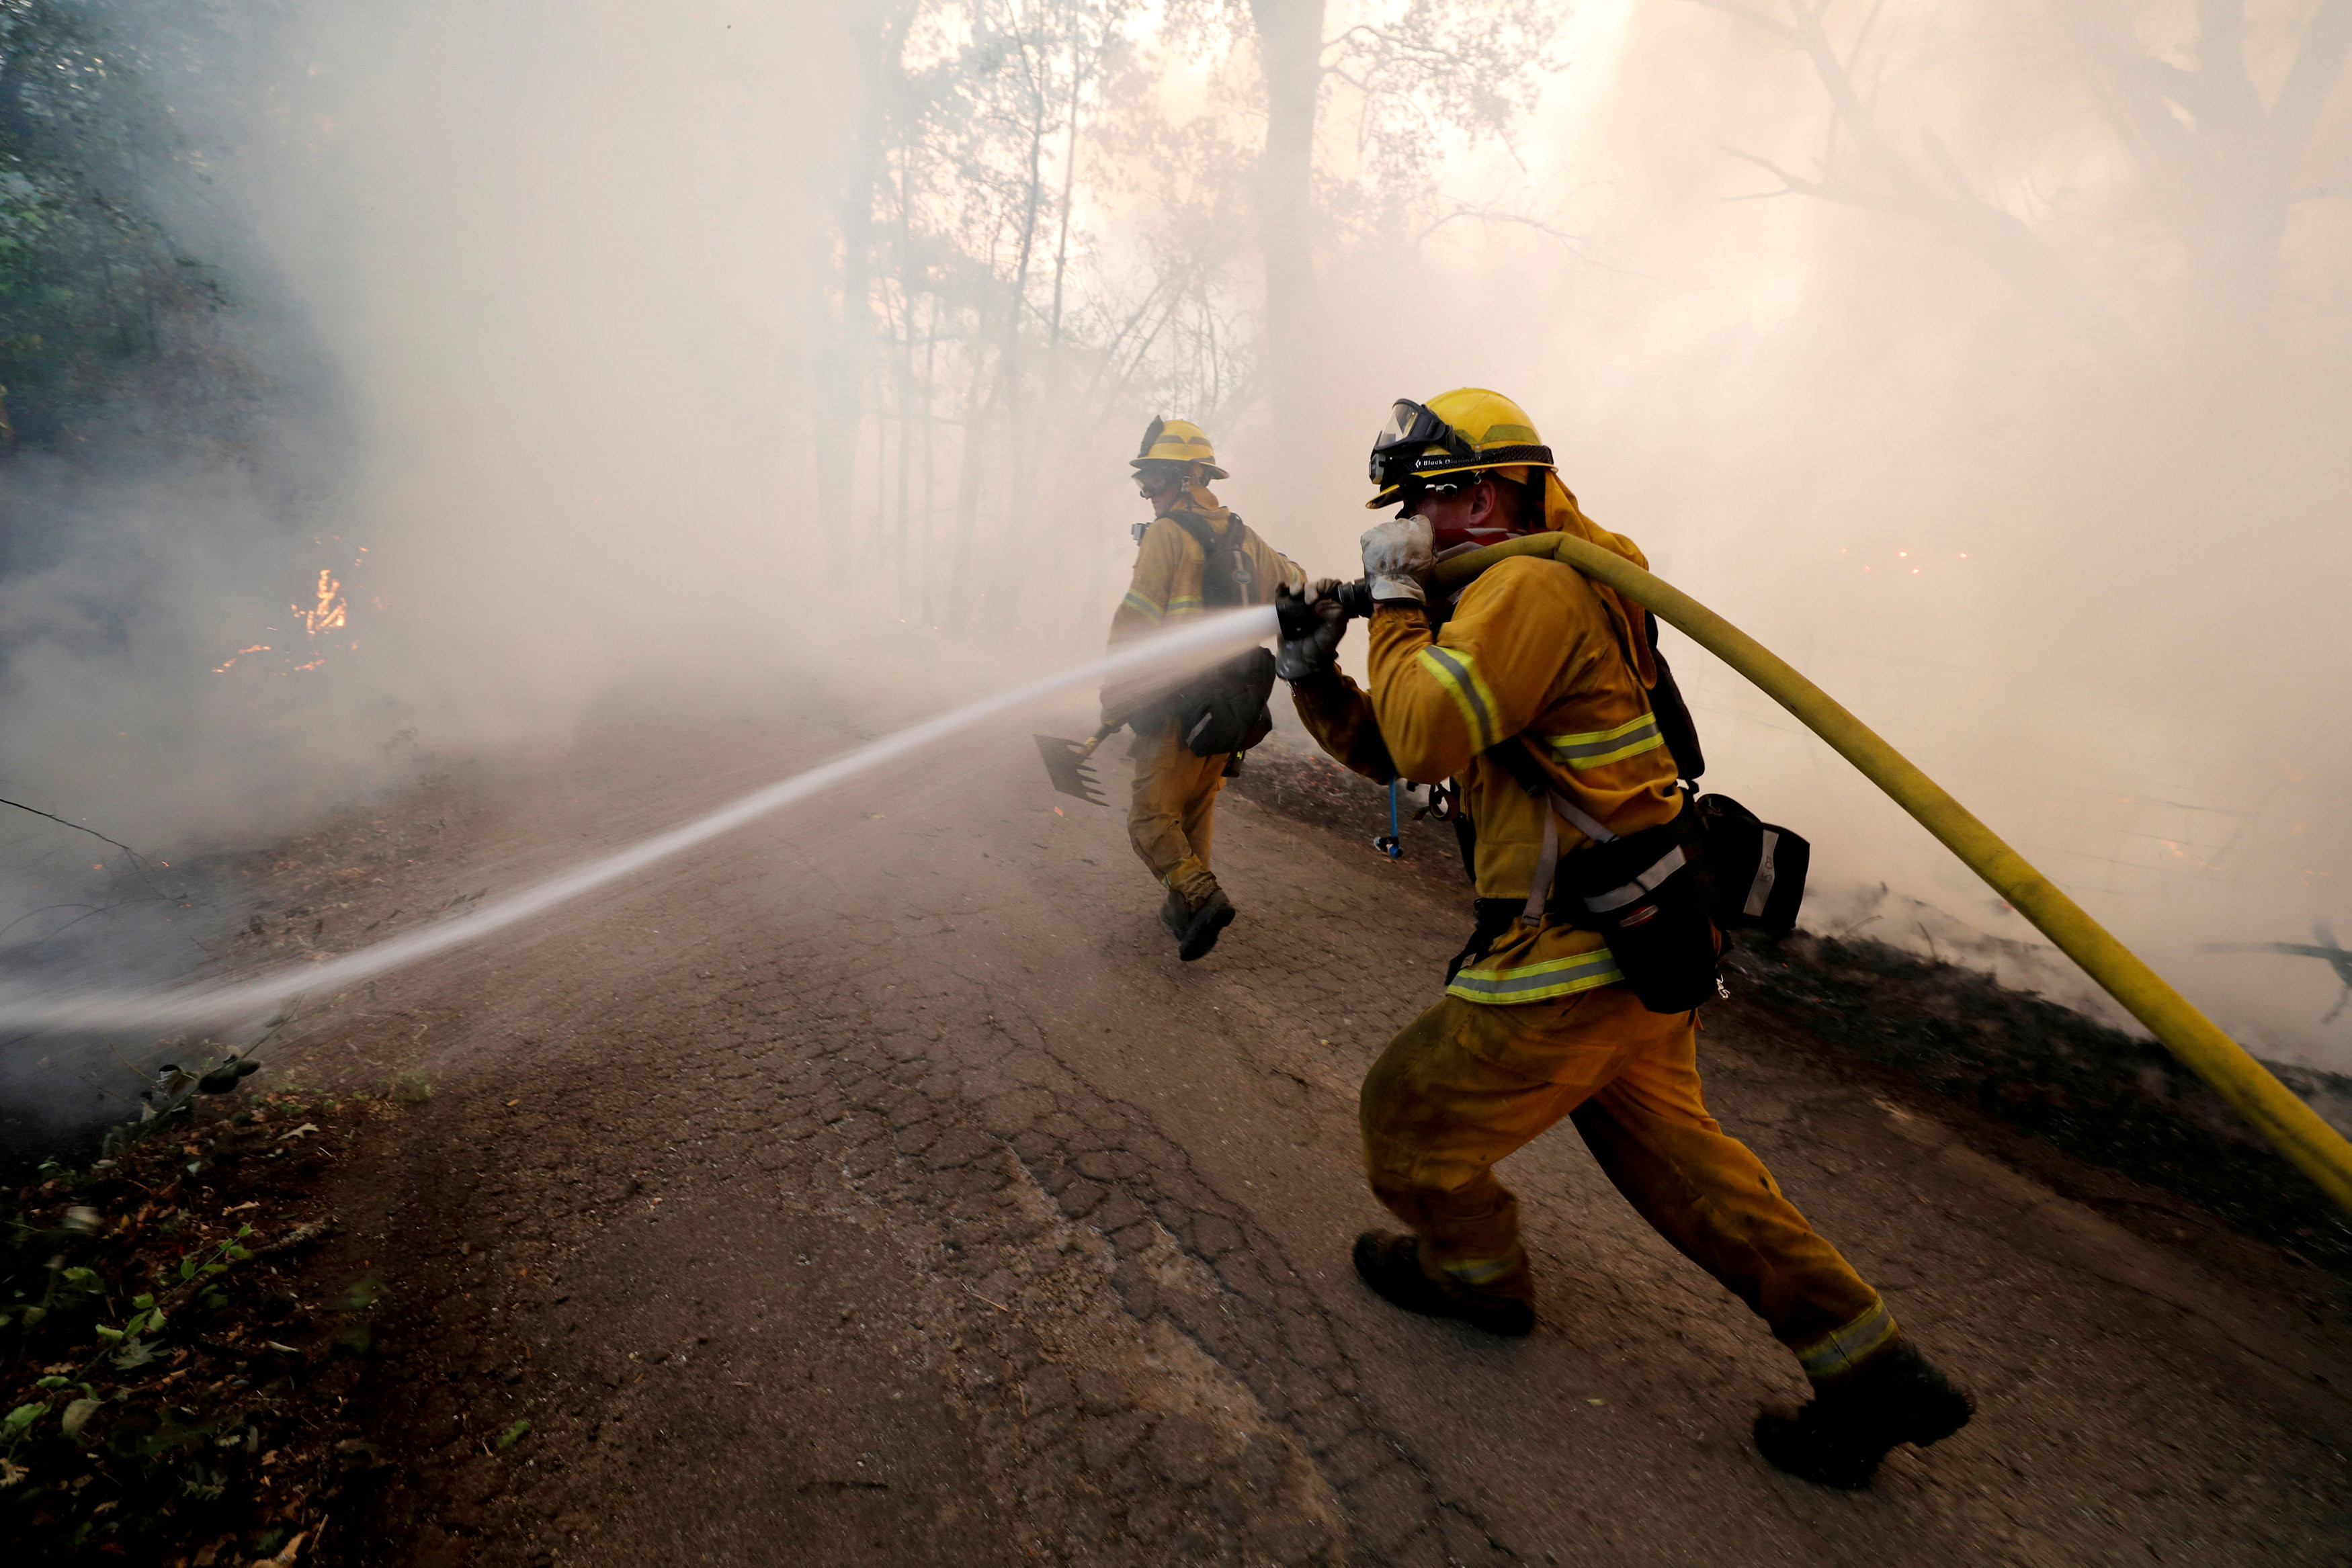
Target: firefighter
1170,820
1536,1023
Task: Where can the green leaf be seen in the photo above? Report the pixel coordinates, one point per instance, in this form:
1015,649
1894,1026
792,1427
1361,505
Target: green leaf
188,1267
138,1353
52,1381
24,1416
513,1435
108,1334
82,1278
77,1416
242,1231
143,1302
234,1253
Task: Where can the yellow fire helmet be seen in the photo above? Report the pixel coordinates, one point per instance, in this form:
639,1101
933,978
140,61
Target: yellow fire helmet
1177,441
1459,431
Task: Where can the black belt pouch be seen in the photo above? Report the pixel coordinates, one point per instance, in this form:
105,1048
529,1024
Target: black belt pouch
1757,869
1645,898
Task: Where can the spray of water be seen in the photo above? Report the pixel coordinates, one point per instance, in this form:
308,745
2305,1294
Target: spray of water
94,1008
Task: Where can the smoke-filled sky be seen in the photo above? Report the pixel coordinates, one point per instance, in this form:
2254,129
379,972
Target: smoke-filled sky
2006,404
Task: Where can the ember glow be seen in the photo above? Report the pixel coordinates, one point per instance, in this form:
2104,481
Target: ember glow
241,653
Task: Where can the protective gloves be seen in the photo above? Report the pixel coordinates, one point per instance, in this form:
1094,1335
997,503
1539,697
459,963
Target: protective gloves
1311,623
1398,555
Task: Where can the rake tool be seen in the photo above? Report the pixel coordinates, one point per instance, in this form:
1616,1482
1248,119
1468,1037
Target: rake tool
1068,764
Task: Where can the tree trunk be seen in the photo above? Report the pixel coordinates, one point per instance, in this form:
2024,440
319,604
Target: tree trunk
849,325
1004,581
1290,49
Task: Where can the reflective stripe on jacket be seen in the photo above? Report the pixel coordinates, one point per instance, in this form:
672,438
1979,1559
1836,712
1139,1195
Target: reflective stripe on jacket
1168,582
1531,651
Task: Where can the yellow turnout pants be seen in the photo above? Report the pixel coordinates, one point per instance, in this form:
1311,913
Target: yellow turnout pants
1168,820
1466,1083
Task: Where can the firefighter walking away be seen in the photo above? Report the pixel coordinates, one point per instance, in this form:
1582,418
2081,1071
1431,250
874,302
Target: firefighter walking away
1192,557
1540,693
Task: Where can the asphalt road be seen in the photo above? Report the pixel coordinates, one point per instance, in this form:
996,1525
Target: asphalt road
875,1186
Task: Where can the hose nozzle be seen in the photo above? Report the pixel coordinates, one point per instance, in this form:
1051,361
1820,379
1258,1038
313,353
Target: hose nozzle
1296,615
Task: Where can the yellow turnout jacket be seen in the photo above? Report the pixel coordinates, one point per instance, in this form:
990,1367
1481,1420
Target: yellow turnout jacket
1534,649
1166,583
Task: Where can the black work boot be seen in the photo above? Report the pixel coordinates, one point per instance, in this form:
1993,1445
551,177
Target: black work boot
1203,922
1175,915
1838,1439
1390,1265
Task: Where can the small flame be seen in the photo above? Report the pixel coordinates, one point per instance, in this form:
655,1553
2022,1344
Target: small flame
332,612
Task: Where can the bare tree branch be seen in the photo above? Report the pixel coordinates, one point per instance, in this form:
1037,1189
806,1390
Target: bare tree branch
1995,236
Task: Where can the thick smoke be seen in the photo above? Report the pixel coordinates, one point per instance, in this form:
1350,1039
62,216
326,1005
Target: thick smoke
2091,590
572,273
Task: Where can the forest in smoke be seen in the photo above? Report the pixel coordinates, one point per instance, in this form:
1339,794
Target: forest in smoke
448,371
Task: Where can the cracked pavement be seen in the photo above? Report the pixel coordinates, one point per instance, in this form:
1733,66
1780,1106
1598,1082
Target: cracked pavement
874,1186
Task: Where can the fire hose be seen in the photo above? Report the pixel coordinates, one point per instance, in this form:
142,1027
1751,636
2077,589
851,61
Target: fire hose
2298,1132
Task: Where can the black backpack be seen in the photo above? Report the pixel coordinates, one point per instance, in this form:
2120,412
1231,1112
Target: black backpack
1225,709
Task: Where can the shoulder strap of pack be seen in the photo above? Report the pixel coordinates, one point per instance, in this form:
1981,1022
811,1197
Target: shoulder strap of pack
1192,524
1674,715
1515,758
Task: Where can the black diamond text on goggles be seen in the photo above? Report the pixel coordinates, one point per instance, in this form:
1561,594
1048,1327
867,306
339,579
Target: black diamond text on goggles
1414,440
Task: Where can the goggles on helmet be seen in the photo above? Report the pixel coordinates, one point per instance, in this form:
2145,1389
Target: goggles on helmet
1153,477
1415,440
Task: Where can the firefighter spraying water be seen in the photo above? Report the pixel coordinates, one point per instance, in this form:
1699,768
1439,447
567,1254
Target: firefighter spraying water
1543,694
1576,995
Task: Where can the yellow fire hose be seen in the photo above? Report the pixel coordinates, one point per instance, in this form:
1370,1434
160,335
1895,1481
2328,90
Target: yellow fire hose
2318,1150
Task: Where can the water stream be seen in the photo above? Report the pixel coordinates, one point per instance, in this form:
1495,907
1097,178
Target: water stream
215,1004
